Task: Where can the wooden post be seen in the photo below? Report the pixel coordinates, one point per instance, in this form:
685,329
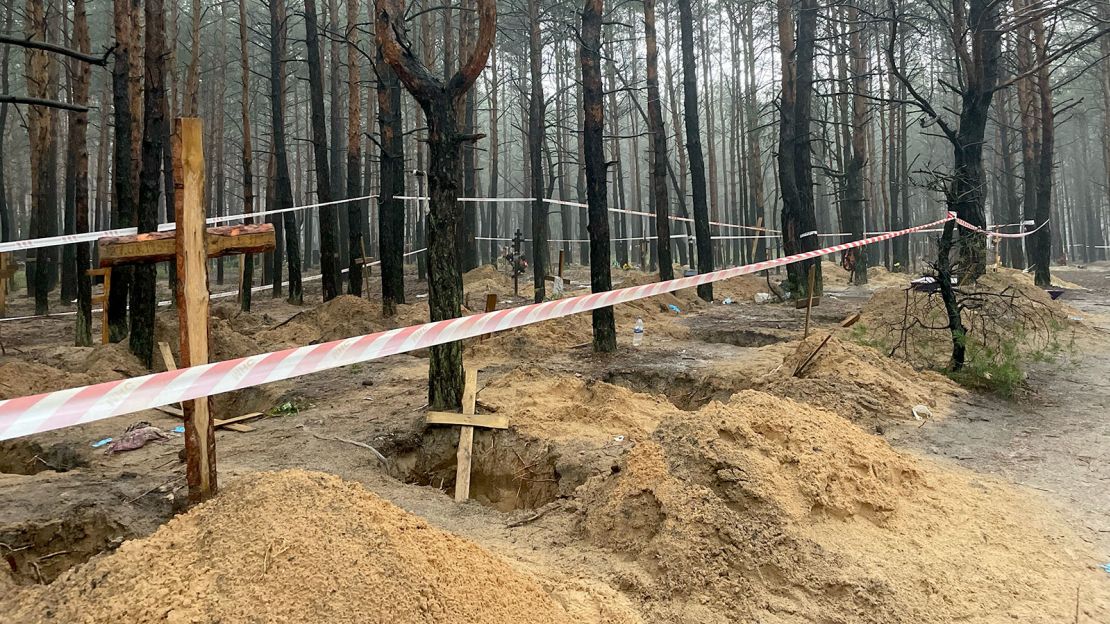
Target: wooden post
755,241
809,303
466,437
192,300
7,270
491,305
102,299
562,256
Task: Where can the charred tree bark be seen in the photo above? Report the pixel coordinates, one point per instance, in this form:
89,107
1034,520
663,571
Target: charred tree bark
283,190
391,211
79,146
799,219
141,340
536,137
494,153
1040,241
440,99
354,155
604,325
40,125
659,158
329,257
123,187
693,147
246,279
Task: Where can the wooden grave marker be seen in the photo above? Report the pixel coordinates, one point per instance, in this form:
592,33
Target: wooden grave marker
102,299
190,245
467,421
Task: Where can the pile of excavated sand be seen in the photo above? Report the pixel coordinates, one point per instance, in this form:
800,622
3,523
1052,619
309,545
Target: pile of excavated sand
342,317
834,276
540,339
858,382
489,279
559,406
771,511
57,368
296,547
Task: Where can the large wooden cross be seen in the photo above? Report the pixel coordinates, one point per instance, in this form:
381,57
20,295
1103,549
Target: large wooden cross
190,245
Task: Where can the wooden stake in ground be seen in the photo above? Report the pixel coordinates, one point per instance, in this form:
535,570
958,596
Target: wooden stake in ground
809,302
103,299
467,420
192,300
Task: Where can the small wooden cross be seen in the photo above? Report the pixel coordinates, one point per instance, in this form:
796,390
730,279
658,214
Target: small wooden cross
467,421
7,270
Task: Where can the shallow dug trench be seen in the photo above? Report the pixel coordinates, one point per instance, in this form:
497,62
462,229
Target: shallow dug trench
508,471
687,389
25,457
40,552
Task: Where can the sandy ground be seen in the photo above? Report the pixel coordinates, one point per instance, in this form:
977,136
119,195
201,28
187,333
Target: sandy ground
676,482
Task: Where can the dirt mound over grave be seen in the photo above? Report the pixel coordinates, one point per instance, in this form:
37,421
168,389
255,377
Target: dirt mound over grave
343,317
834,276
292,546
561,405
858,382
767,510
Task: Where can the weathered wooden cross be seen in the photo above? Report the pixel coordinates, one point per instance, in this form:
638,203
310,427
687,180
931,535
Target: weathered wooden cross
190,245
467,420
7,270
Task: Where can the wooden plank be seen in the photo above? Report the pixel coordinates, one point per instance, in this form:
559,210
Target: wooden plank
809,304
491,305
850,320
466,437
217,423
225,240
489,421
192,299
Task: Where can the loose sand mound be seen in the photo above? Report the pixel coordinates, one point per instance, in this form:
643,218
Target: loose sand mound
770,511
66,367
834,276
296,547
551,405
342,317
489,279
858,382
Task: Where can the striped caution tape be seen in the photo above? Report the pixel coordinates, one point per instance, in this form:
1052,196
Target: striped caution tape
64,408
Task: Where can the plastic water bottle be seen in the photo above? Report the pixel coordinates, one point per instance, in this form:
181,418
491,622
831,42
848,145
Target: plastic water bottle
638,333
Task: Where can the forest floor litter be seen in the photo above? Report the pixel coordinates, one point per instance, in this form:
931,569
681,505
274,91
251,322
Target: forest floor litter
729,470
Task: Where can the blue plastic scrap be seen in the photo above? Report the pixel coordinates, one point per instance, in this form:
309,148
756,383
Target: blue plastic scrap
1106,568
674,308
100,443
179,429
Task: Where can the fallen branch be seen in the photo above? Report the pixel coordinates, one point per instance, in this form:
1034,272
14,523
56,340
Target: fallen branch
801,367
381,458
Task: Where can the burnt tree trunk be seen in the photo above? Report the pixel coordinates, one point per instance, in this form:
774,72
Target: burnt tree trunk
535,152
79,146
354,156
593,131
283,189
141,340
246,279
693,146
440,99
329,258
391,211
799,219
124,191
659,158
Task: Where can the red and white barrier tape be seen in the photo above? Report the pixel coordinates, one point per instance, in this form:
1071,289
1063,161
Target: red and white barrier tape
989,233
74,406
